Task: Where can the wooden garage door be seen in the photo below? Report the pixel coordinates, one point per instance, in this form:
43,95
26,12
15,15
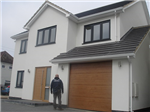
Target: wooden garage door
90,86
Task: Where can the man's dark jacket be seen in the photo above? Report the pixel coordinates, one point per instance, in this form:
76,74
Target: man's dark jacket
56,85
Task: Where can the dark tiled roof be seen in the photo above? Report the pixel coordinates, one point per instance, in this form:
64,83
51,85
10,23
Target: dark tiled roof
128,44
101,9
6,57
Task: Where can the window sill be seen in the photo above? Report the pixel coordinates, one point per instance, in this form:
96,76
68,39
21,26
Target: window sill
22,52
45,44
19,87
96,41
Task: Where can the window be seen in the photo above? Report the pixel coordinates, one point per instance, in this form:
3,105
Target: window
3,66
10,67
19,82
23,48
46,36
97,32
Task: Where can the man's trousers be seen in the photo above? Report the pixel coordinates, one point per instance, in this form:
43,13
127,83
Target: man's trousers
55,96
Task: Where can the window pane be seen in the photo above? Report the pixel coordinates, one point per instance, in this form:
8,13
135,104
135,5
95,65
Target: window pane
46,94
88,34
22,47
48,77
40,37
26,45
19,78
96,33
46,36
105,31
53,35
22,79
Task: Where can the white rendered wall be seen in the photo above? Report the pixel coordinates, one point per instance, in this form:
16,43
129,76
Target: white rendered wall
80,31
18,65
120,85
39,56
64,76
5,72
132,17
72,33
141,75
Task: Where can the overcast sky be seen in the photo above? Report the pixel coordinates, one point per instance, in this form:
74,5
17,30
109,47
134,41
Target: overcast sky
16,13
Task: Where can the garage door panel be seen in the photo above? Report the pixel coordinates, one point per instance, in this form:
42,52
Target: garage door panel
91,80
92,65
91,103
91,90
95,78
95,82
91,86
93,70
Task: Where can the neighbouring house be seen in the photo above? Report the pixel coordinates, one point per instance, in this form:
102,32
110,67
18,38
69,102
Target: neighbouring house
6,67
101,55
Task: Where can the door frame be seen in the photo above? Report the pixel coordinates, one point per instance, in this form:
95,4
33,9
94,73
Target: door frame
43,83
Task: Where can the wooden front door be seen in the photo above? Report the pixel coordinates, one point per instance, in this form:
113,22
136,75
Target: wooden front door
90,86
42,84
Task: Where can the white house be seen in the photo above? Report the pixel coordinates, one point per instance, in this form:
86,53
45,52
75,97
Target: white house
6,68
102,56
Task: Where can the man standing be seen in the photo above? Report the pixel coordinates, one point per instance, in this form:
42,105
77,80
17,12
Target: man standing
56,87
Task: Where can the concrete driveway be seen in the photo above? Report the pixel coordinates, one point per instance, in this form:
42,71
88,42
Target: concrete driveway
15,107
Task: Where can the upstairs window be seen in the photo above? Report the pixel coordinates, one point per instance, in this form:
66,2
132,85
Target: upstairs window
46,36
97,32
23,48
19,82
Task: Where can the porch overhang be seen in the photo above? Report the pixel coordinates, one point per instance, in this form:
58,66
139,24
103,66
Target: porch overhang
93,58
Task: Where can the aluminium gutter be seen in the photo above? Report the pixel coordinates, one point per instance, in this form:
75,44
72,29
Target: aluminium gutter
89,59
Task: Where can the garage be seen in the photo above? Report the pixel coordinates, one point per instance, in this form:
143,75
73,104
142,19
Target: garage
90,86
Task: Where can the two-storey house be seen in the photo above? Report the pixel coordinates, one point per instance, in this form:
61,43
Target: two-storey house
101,55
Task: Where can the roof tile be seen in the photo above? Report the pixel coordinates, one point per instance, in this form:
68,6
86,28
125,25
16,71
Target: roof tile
128,44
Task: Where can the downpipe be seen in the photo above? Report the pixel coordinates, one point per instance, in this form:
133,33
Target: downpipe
130,85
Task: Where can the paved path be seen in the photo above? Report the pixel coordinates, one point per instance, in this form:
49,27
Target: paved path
13,107
4,96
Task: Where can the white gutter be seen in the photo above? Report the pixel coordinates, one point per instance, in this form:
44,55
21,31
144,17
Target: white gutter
101,14
97,15
22,35
116,27
130,84
88,59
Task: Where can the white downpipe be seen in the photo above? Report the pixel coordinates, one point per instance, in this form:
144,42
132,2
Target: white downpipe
116,26
130,84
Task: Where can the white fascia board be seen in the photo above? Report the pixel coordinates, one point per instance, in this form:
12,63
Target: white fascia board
27,26
90,59
93,16
146,36
57,8
146,11
20,35
127,6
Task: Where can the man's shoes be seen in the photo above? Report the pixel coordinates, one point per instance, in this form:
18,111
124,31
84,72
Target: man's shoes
61,109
